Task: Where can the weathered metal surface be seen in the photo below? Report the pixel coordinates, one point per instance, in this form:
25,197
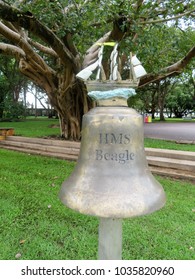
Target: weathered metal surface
110,239
107,85
112,178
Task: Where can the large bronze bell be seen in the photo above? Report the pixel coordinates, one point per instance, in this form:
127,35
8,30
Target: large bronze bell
112,178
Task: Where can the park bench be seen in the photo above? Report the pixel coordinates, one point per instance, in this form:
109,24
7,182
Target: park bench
6,131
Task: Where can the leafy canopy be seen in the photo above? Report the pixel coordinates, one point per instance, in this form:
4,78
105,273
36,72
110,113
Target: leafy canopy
89,20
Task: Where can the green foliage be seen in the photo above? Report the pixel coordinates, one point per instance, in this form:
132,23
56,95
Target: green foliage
181,99
158,47
146,100
87,21
161,45
4,91
13,110
11,83
156,43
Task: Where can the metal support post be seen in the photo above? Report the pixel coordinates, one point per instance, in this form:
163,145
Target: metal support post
110,239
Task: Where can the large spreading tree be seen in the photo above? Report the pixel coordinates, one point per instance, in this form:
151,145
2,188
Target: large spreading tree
52,40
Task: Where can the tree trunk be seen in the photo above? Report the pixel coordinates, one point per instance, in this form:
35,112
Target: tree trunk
71,108
162,92
178,114
67,95
153,105
162,118
1,112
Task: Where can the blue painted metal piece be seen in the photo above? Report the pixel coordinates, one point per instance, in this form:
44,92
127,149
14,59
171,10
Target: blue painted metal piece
119,92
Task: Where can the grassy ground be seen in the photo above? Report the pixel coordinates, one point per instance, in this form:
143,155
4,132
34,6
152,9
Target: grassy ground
35,225
36,127
174,120
163,144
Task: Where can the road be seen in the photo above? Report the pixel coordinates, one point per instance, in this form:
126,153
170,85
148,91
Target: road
170,131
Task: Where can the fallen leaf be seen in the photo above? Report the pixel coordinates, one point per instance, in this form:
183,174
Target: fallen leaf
22,241
18,255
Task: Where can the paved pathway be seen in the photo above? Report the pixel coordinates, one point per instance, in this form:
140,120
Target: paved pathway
170,131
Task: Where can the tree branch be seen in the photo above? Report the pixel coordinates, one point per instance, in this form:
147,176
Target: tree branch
29,52
43,48
29,22
174,69
92,52
139,4
12,50
167,19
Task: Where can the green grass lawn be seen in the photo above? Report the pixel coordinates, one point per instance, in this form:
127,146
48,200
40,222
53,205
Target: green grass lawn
174,120
166,144
36,127
35,224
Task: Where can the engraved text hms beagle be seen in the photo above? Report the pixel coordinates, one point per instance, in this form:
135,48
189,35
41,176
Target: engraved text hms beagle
120,139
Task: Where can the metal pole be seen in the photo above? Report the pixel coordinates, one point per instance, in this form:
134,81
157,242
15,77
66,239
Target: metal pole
110,239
